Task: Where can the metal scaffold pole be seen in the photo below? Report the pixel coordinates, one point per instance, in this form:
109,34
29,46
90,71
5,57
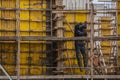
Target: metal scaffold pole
91,37
18,37
60,34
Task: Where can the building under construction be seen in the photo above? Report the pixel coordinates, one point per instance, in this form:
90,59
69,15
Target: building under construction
37,39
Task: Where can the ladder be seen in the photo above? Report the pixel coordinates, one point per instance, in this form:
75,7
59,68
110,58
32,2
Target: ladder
102,60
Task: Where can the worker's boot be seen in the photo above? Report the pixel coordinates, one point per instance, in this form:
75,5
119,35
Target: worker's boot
86,62
79,62
85,56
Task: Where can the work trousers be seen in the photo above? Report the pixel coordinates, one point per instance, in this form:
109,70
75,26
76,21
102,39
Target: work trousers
80,49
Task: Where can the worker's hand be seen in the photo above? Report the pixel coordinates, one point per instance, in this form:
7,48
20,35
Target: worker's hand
85,33
85,30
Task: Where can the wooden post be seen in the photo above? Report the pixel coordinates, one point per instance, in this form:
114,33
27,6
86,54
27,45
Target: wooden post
18,38
116,24
90,52
92,36
59,33
88,44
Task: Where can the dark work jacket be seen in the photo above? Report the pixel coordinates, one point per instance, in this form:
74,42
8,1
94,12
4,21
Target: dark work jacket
78,32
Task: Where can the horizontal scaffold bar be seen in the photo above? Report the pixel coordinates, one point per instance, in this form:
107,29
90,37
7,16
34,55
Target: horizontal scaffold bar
65,77
40,38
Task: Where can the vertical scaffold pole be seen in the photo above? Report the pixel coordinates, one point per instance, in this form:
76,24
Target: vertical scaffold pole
92,36
18,37
59,33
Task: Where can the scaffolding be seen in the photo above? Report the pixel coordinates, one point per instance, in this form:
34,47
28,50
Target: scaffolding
48,52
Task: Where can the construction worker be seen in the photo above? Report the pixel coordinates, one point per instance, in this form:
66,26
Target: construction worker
79,31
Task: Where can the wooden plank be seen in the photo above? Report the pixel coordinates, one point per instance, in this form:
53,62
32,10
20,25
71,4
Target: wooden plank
40,38
65,77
